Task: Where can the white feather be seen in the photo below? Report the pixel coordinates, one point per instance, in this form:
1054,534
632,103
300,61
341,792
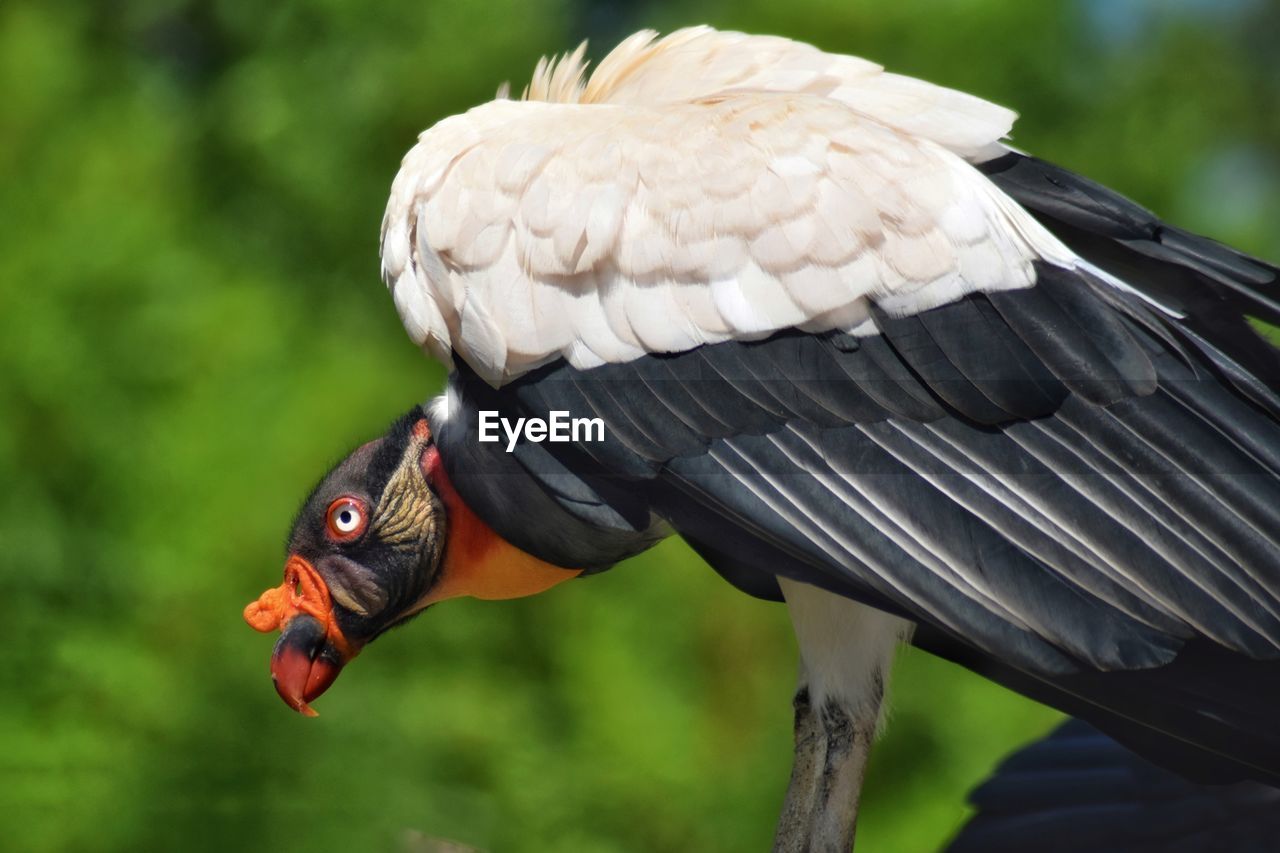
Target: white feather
694,189
481,339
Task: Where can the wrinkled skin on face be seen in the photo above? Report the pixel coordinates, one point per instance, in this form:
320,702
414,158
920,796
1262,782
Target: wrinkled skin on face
383,536
365,550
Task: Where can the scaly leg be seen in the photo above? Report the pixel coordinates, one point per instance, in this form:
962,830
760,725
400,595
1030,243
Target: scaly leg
845,652
793,823
835,814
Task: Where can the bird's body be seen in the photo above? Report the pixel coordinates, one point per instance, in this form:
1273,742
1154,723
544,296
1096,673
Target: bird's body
861,355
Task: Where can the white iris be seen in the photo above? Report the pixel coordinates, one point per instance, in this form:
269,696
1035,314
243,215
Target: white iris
346,518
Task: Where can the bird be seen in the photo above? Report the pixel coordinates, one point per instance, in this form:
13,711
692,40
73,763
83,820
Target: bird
826,324
1077,789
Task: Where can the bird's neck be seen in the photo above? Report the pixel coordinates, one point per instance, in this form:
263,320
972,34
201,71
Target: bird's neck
477,561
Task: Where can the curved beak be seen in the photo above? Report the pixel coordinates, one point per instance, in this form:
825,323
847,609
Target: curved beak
304,663
311,650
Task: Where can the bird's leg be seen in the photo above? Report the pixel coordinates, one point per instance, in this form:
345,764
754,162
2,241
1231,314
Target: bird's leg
845,649
848,740
793,823
820,813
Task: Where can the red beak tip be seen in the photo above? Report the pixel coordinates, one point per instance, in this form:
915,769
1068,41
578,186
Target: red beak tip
297,703
299,680
294,702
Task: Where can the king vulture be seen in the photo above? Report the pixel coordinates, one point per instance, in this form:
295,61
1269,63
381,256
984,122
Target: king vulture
865,358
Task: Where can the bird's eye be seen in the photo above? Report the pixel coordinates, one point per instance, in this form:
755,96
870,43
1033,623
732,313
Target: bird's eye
346,519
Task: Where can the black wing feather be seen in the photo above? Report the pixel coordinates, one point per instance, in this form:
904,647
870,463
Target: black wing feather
1080,790
1214,286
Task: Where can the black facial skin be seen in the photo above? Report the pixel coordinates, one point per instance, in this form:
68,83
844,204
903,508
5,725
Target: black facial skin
376,578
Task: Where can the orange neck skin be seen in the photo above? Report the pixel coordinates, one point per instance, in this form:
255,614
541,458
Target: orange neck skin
477,561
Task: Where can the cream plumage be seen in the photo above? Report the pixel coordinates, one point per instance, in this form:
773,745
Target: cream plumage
703,187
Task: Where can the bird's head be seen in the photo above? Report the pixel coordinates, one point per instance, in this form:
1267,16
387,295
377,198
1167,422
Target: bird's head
382,537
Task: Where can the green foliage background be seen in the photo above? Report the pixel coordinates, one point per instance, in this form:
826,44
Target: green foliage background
192,330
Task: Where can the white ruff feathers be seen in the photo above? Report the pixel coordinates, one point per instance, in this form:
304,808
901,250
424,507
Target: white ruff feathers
703,187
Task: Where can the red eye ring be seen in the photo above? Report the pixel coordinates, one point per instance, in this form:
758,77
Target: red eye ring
346,518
